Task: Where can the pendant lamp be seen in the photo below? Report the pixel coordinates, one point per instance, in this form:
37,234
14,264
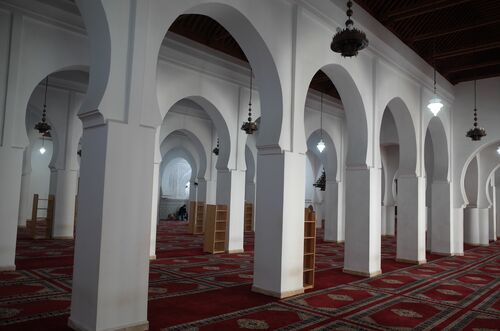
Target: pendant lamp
349,41
250,127
476,133
43,126
321,144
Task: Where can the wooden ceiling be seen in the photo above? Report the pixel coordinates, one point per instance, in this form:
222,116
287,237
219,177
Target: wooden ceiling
207,31
462,37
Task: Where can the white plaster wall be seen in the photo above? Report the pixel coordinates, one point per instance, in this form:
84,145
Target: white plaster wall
175,177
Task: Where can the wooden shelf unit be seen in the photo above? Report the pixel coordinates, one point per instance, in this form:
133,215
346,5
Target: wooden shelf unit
309,247
216,229
248,217
41,227
196,217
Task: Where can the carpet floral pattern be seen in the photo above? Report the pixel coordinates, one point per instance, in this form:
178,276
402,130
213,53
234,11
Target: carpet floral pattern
190,290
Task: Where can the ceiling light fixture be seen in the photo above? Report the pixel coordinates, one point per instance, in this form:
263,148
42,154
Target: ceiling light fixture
321,144
250,127
435,104
476,133
349,41
43,126
216,149
42,149
498,150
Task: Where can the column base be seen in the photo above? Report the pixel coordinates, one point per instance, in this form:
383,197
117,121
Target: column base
8,268
235,251
279,295
334,241
388,236
418,262
362,273
152,257
141,326
63,237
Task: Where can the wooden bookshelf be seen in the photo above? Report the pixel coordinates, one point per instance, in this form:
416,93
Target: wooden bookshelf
200,218
41,227
196,217
216,229
309,247
248,217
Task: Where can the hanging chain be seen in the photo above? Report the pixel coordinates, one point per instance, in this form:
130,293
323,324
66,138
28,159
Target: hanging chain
250,99
475,108
321,116
44,112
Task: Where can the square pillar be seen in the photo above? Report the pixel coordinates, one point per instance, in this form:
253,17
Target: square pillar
493,214
497,206
26,200
334,227
411,220
471,226
111,268
155,196
279,230
11,165
388,220
231,192
66,186
362,222
483,219
441,231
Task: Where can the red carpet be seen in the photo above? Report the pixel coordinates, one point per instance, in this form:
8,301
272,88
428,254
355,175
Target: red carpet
190,290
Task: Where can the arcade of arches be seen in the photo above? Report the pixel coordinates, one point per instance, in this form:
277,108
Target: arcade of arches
140,94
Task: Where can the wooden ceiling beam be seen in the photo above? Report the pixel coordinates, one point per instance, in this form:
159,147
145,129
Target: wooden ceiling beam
421,9
466,50
472,67
442,33
466,78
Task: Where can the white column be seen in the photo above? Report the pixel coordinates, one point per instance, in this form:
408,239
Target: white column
110,277
483,219
411,219
492,213
334,228
26,202
279,231
497,203
231,192
471,226
11,165
155,194
65,191
390,158
64,171
441,230
211,191
362,227
201,192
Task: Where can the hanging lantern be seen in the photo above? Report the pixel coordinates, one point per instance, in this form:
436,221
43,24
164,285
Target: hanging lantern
43,126
216,149
42,149
349,41
321,144
435,104
250,127
321,182
476,133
